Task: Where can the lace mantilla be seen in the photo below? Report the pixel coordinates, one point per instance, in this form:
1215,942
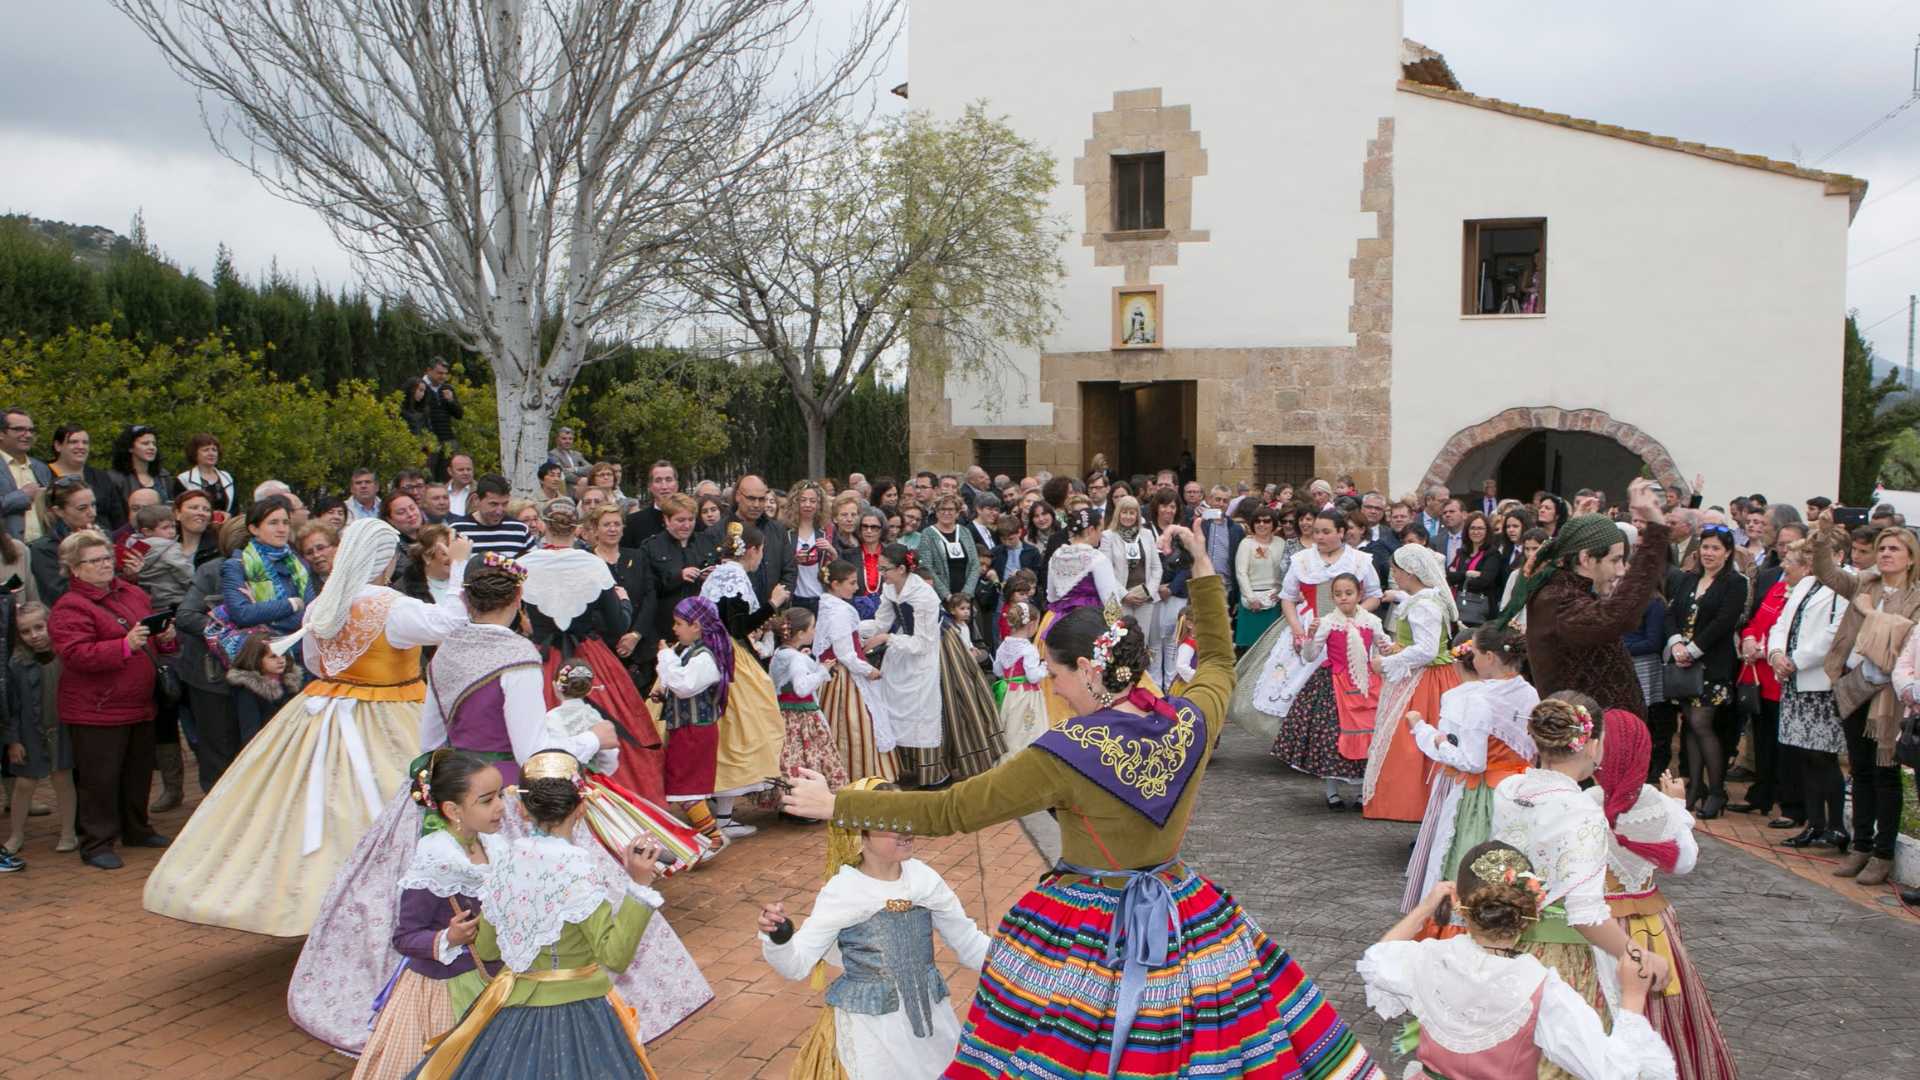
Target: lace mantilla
729,580
440,865
541,885
1468,999
366,621
1068,565
563,583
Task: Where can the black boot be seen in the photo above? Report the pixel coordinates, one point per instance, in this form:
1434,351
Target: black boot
1806,839
1711,806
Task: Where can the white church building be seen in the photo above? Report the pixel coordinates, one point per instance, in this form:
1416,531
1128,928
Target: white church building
1299,247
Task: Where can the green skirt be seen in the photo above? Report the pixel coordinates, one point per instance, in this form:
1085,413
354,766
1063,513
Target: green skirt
1249,625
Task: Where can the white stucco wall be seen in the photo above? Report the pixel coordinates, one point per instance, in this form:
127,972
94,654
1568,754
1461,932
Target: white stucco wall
1700,301
1285,95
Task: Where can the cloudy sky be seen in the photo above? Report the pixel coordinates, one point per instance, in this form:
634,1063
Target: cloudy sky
94,125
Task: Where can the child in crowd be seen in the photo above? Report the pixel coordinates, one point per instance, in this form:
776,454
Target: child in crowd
165,571
887,1016
262,681
862,732
575,715
439,911
1021,585
696,674
36,741
1023,710
969,719
1329,725
1481,740
797,680
1487,1009
1185,656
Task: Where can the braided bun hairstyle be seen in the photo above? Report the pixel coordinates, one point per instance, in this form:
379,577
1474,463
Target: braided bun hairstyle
1022,614
1562,728
549,799
1496,907
1073,637
574,679
449,777
487,588
1505,643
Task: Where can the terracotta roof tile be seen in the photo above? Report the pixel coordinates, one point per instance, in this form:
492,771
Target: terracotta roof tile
1836,183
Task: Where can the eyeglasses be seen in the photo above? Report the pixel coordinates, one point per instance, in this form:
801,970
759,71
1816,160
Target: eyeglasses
871,525
28,429
97,560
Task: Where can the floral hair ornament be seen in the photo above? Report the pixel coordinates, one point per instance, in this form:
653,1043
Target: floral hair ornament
1463,651
1104,645
1511,867
511,565
736,539
1581,740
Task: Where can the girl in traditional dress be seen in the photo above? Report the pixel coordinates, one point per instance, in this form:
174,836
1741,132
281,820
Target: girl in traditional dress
486,696
1079,574
862,732
1185,657
1272,673
1218,995
908,624
1481,740
1330,725
260,851
970,738
439,913
751,730
1559,829
560,923
1023,713
696,677
1418,668
797,679
887,1014
1652,831
1482,1007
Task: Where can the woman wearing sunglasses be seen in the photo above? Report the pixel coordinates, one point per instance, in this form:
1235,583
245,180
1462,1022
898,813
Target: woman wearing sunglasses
1702,619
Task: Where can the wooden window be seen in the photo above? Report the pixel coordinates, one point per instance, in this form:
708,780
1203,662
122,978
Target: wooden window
1139,192
998,456
1505,267
1283,465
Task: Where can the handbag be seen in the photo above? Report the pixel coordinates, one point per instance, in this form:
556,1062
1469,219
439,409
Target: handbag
1906,750
1475,608
1746,695
1683,683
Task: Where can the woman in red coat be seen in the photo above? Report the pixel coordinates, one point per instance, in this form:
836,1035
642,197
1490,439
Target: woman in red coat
106,698
1770,788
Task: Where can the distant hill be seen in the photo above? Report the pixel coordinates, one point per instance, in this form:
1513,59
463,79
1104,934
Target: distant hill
94,245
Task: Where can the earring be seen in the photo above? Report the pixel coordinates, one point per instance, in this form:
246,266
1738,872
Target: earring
1100,695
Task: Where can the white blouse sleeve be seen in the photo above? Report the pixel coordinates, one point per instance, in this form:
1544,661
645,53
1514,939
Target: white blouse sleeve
807,675
1104,581
1680,825
1368,574
846,651
1290,582
1459,717
433,725
412,623
1427,620
961,933
1387,970
816,939
684,679
1184,663
1569,1034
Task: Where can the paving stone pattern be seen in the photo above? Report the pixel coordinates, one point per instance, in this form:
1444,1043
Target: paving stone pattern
1807,982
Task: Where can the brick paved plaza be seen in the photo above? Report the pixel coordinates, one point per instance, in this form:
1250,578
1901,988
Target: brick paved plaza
1810,982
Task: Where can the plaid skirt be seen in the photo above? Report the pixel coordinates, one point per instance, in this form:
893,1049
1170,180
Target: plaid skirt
1228,1003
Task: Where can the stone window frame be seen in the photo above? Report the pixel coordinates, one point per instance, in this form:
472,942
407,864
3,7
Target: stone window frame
1139,123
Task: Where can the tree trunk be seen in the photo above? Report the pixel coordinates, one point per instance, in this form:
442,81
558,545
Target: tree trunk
816,444
525,425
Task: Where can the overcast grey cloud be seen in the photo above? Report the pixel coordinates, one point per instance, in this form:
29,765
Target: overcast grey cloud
94,125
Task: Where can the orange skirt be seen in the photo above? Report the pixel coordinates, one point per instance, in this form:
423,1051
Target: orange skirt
1400,793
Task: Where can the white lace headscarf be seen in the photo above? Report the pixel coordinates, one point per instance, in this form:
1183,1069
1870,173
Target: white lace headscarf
367,546
1424,563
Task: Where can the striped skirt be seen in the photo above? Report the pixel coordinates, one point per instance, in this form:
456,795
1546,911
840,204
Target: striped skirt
1685,1020
970,741
1228,1003
852,726
418,1009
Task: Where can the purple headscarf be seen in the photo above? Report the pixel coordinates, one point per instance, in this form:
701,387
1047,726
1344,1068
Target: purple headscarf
700,611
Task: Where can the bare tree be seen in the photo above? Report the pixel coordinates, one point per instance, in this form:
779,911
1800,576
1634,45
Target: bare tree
910,231
521,167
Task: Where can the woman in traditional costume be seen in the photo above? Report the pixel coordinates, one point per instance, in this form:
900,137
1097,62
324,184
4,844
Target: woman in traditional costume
1121,921
1481,740
970,735
908,624
1418,668
1273,674
751,729
1079,574
862,732
887,1016
561,923
1652,831
1544,814
439,911
1483,1009
574,612
258,853
486,697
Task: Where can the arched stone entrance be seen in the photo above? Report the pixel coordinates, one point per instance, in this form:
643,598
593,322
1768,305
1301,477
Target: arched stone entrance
1575,448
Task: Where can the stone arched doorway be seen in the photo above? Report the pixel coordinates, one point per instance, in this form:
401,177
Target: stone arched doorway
1563,450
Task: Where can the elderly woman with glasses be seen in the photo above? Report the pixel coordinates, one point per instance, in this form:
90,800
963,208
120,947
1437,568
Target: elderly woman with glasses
108,653
1703,617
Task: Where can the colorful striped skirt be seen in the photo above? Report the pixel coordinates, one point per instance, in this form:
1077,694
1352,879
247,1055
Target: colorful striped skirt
1228,1003
1684,1018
